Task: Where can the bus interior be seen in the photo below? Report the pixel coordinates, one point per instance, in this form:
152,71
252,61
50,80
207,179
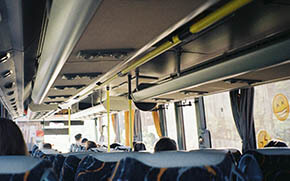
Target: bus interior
211,75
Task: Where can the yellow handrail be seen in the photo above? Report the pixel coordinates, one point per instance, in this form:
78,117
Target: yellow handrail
69,123
217,15
108,115
130,123
154,53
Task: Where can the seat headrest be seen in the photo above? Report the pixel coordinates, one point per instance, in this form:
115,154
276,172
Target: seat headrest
273,151
49,151
17,164
169,158
115,156
80,155
184,159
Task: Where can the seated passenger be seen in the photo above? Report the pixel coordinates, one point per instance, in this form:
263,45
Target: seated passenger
84,144
139,147
165,144
90,145
11,139
47,146
275,143
77,146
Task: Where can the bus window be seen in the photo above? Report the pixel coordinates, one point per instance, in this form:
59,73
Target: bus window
190,127
59,142
220,122
89,130
122,127
171,123
271,112
104,124
149,132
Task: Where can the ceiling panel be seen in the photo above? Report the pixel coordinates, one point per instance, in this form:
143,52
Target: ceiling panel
133,23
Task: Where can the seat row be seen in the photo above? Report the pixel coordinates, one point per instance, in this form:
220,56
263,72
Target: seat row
204,164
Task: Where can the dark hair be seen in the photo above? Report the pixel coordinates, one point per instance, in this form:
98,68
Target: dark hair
275,143
11,139
91,144
78,137
114,145
165,144
47,146
139,147
84,140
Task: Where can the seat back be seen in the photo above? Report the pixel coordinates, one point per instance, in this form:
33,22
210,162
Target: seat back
57,164
90,168
24,167
198,164
69,168
266,164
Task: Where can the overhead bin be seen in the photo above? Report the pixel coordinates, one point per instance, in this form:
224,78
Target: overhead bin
42,107
250,61
67,21
116,104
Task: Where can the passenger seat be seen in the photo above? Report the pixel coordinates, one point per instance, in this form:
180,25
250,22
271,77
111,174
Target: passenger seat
265,164
172,165
25,168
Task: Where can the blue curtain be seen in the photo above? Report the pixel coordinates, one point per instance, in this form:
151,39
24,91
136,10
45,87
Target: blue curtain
242,103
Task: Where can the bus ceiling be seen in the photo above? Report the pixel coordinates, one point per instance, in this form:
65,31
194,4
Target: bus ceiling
179,49
206,48
214,35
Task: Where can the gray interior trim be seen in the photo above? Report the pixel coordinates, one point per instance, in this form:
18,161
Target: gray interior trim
67,22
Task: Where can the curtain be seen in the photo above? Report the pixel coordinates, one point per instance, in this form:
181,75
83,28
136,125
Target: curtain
127,127
242,103
157,123
137,126
162,119
115,123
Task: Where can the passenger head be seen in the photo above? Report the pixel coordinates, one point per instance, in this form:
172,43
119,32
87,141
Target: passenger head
114,145
139,147
165,144
47,146
78,138
84,141
11,139
91,144
276,143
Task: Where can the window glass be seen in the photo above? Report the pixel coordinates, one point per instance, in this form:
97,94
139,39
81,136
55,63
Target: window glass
190,126
89,130
220,122
271,112
148,130
58,142
122,127
171,123
105,131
